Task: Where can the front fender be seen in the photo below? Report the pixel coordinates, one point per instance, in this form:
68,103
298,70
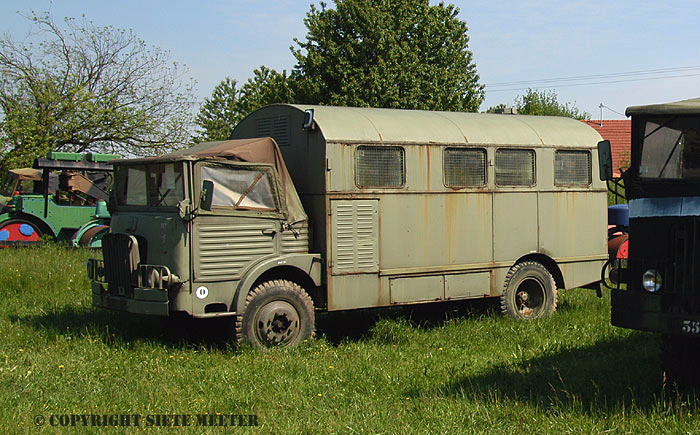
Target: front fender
309,264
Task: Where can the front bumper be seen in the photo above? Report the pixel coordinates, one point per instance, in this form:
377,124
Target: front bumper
148,301
645,312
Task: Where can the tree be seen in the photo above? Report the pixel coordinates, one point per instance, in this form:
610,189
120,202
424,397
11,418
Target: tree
386,53
79,87
545,103
228,104
219,113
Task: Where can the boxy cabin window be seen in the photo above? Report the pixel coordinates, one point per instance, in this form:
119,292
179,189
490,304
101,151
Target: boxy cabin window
379,166
241,188
572,168
153,185
515,167
464,167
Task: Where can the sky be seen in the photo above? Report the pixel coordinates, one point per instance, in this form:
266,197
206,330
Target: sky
615,53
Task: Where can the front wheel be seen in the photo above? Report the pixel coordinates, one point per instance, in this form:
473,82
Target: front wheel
529,292
277,313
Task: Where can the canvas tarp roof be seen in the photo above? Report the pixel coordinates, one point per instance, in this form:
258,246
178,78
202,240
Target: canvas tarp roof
27,173
255,150
684,107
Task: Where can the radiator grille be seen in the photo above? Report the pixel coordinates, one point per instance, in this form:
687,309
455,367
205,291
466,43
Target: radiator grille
683,271
673,252
121,259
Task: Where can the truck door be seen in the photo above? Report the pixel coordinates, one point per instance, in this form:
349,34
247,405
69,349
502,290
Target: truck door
244,223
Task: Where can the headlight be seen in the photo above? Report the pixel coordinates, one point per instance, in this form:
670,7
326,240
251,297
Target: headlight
651,281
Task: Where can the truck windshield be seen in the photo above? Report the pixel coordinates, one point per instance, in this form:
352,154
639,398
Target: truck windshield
154,185
671,149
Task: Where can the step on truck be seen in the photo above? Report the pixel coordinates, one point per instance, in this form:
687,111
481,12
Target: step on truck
311,208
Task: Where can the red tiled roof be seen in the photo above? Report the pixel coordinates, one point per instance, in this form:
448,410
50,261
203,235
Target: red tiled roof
619,133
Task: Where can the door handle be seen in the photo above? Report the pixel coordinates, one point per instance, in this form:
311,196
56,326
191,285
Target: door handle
269,232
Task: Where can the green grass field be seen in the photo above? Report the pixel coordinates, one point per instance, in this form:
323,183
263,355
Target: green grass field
434,369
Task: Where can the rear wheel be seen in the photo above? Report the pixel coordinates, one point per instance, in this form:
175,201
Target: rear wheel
529,292
277,313
19,230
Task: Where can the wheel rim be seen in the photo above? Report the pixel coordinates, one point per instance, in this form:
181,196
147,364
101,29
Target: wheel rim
19,231
277,323
530,297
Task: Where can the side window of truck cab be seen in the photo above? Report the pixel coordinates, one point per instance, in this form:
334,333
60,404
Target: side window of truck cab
238,187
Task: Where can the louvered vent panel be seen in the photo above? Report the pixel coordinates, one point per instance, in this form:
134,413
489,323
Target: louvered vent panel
355,236
296,243
276,127
224,251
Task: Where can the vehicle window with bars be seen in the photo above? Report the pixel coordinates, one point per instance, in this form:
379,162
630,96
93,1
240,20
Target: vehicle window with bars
464,167
379,166
515,167
572,168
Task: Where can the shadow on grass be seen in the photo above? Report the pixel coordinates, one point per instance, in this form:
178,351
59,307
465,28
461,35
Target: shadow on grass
355,325
119,329
620,373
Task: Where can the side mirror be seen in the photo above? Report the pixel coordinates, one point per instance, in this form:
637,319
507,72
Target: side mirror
308,123
207,196
605,160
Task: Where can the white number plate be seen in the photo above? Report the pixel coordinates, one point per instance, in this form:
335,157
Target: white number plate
690,327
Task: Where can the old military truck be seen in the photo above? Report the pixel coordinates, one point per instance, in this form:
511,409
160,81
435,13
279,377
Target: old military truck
404,207
215,230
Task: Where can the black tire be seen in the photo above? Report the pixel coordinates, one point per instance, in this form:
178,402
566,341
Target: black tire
529,292
679,356
277,313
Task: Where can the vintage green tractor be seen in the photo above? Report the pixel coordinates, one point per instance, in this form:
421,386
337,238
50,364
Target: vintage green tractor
61,198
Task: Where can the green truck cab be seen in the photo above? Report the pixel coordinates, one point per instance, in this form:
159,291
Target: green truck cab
206,233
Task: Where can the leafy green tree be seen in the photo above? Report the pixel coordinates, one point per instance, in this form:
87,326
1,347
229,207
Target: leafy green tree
79,87
266,87
372,53
228,104
545,103
219,113
386,53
